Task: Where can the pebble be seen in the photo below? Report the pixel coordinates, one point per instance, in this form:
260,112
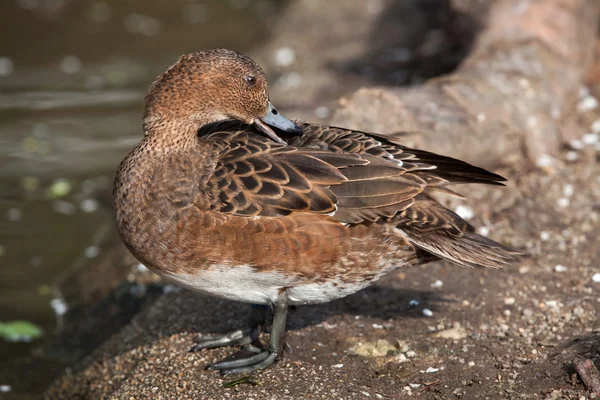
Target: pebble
596,277
560,268
551,303
431,370
527,312
563,202
141,268
411,354
484,231
590,138
59,306
576,144
400,358
587,103
568,190
509,301
5,388
471,363
544,161
284,56
377,326
413,303
427,312
437,284
465,212
544,235
571,156
337,365
596,126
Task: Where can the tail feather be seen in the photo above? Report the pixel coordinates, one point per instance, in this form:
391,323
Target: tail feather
469,250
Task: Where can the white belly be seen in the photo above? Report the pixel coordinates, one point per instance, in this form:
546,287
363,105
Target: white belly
244,284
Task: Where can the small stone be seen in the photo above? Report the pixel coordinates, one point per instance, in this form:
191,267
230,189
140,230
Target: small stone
437,284
455,333
59,306
431,370
509,301
544,235
411,354
465,212
563,202
527,312
484,231
413,303
337,366
5,388
596,277
400,358
576,144
427,312
551,303
568,190
284,56
377,326
596,126
571,156
471,363
589,138
141,268
560,268
587,103
544,161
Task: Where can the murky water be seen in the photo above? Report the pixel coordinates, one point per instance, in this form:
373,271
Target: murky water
72,79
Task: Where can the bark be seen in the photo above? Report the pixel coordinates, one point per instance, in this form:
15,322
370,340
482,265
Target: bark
505,101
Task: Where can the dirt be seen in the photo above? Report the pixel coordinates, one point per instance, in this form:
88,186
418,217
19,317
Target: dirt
434,332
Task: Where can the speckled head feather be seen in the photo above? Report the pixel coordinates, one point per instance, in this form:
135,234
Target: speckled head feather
207,87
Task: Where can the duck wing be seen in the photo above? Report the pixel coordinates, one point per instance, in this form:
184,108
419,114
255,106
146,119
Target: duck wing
255,176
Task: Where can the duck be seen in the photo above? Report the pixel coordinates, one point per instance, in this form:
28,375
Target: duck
227,197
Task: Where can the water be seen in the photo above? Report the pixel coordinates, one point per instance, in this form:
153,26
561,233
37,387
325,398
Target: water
72,79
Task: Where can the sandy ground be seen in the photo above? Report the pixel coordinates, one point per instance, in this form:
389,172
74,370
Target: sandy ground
487,334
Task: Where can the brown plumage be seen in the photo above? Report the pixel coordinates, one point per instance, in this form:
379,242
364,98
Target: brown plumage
215,200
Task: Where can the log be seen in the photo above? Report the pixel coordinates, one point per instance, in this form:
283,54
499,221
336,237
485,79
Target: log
506,100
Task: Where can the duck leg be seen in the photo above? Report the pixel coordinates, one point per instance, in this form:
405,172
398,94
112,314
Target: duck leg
240,337
260,359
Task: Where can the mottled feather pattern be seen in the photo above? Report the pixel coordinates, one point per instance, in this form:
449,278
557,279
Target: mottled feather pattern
355,177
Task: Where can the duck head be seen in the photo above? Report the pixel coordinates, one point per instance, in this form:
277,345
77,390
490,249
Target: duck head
212,86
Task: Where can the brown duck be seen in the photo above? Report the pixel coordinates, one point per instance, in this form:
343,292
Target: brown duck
225,196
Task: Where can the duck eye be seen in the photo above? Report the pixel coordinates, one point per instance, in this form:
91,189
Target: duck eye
250,80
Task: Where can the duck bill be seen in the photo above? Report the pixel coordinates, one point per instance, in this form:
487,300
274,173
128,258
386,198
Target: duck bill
274,119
